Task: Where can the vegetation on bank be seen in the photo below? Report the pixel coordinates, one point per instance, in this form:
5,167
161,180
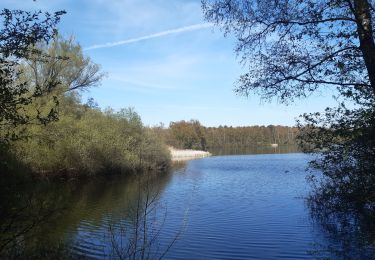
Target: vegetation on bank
44,126
192,135
86,140
46,129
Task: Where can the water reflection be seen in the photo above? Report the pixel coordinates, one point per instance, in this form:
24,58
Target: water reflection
350,234
121,220
239,207
25,207
80,214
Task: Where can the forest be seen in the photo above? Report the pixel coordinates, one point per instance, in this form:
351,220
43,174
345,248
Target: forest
192,135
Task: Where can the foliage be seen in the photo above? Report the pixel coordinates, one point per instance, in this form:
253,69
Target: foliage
345,141
20,32
66,66
188,135
250,136
295,48
88,141
353,233
84,140
45,128
192,135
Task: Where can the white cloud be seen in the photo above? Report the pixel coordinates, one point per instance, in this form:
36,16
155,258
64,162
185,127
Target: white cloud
151,36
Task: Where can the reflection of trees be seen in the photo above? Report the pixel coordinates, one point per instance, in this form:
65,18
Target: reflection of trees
351,234
105,201
136,234
23,211
48,210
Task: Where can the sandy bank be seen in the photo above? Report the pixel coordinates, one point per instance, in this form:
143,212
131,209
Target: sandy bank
184,155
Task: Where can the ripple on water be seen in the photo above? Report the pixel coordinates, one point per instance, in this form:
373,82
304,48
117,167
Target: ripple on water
227,207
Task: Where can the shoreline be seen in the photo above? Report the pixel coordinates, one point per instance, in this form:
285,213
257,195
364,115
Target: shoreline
178,155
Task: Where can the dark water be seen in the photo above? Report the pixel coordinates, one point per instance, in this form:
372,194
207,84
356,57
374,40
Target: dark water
222,207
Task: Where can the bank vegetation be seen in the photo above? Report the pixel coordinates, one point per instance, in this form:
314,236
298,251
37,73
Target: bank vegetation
55,133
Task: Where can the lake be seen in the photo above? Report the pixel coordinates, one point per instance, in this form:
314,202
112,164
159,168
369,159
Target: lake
221,207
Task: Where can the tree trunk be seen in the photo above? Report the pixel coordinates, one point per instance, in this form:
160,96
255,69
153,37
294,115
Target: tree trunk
366,39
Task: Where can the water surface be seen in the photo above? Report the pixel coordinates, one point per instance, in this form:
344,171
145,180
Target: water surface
221,207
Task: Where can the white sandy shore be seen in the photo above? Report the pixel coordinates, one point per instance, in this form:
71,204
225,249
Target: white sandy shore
184,155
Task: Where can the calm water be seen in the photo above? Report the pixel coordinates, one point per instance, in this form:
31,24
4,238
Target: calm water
222,207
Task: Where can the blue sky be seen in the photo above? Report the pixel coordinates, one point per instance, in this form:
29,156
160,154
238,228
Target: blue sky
164,60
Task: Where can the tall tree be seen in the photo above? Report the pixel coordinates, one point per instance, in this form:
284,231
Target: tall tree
293,48
65,65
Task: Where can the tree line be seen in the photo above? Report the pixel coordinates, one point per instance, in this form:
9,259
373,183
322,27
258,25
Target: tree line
192,135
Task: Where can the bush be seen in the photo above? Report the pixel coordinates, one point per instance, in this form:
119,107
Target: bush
88,141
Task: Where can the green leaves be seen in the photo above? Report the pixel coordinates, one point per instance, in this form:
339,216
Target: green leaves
87,141
20,31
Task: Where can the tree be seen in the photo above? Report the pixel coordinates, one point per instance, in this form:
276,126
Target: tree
295,48
65,65
20,32
188,134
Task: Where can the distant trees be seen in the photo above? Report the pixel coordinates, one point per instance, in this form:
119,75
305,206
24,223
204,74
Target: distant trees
295,48
249,136
188,134
192,135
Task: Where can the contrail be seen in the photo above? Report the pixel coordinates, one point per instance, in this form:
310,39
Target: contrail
151,36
